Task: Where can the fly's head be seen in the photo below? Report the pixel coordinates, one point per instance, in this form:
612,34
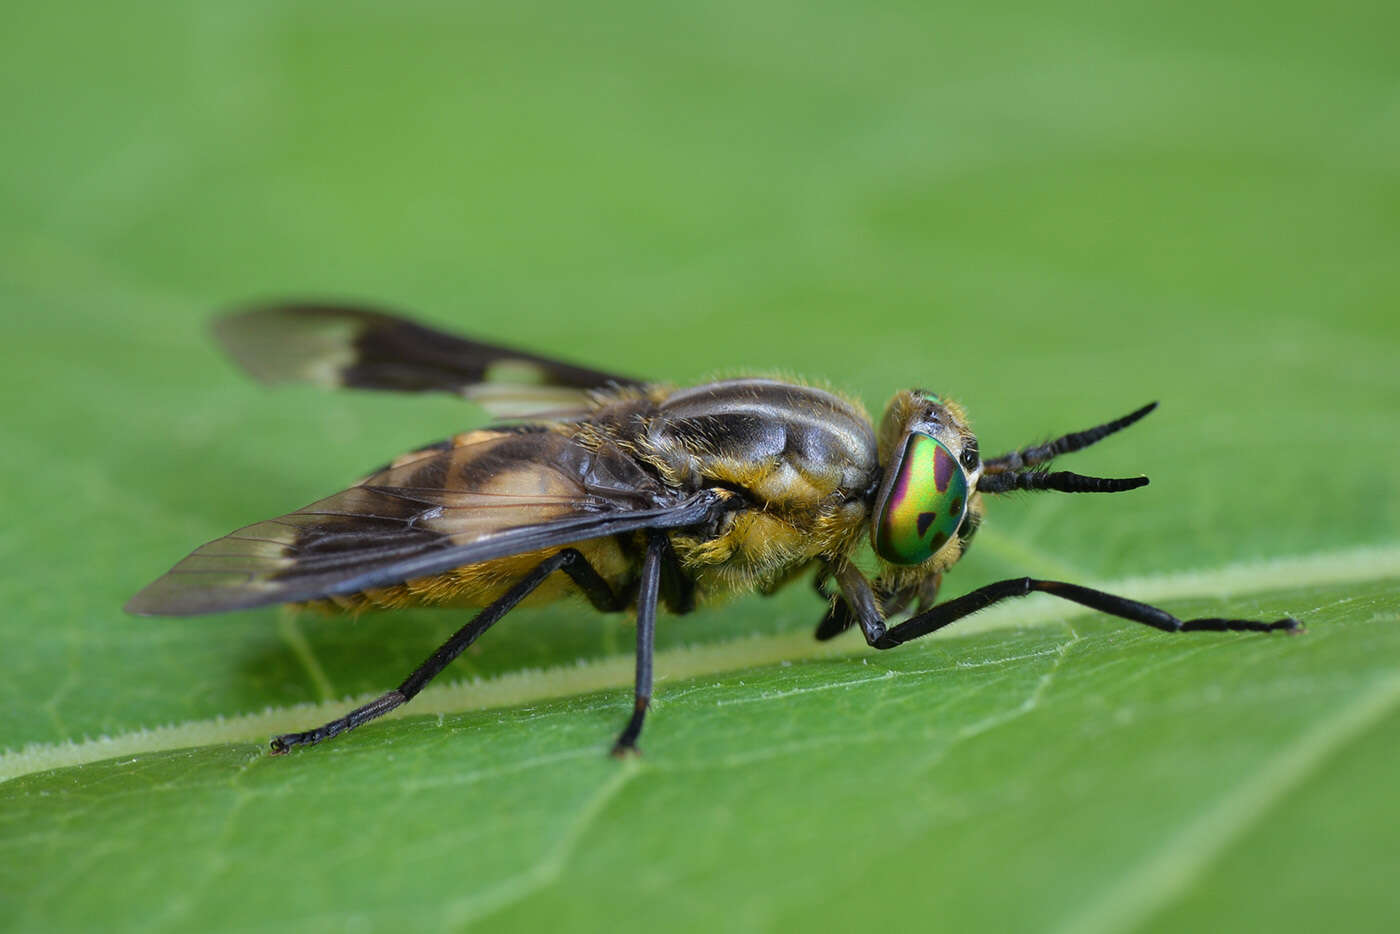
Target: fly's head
926,504
929,500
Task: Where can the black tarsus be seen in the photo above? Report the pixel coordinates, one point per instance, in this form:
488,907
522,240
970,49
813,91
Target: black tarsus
1061,480
569,560
1074,441
945,614
647,593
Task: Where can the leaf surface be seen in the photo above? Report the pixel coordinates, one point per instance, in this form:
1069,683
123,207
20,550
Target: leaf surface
1052,216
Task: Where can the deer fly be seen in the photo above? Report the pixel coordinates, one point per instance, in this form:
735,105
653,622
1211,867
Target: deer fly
627,493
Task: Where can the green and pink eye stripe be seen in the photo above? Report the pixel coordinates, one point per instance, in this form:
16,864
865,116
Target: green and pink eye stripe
925,505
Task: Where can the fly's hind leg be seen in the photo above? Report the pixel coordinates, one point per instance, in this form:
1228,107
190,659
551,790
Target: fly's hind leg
569,560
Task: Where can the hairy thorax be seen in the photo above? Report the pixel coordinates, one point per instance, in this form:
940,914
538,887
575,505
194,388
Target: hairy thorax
802,458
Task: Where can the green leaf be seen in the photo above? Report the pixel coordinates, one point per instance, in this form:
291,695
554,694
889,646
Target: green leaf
1118,773
1053,216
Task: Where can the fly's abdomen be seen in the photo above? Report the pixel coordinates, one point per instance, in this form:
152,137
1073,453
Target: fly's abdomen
404,535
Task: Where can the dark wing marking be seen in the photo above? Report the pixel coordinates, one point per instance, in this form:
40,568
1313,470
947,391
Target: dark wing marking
502,496
368,349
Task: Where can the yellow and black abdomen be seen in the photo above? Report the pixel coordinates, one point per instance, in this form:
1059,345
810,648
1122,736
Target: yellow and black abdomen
406,535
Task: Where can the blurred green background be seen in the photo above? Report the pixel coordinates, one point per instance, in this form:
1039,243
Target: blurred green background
1052,214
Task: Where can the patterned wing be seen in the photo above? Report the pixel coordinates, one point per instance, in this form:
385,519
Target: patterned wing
367,349
481,496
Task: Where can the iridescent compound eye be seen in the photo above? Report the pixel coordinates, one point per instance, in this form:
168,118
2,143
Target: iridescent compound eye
924,504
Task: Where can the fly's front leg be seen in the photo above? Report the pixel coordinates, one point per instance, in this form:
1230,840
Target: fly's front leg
954,610
858,594
857,603
840,616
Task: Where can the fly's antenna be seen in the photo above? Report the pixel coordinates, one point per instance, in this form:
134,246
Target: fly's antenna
1040,453
1062,480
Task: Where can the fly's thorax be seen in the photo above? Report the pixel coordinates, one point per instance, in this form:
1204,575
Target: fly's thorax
926,506
802,459
782,444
